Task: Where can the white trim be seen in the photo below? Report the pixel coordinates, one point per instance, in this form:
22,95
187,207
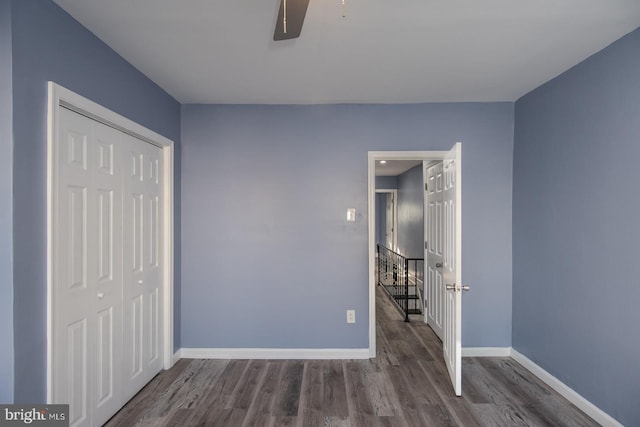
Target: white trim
274,353
486,351
62,97
395,213
373,156
52,131
567,392
169,244
177,356
425,251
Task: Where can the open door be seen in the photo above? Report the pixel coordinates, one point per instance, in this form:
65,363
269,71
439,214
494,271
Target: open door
433,246
452,266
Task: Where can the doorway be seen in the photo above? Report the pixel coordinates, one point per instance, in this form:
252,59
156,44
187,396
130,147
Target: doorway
452,242
387,217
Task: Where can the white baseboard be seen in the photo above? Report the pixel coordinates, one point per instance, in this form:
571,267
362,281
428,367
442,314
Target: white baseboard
567,392
486,351
274,353
177,356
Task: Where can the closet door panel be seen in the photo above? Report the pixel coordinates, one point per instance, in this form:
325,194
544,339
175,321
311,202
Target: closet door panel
143,264
74,296
108,394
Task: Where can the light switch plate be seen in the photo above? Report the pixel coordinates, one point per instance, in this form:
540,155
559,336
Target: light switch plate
351,214
351,316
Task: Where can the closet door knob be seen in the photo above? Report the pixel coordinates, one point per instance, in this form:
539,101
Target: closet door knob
100,295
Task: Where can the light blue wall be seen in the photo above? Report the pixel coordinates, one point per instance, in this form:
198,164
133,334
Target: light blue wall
576,228
6,203
410,213
50,45
268,259
387,182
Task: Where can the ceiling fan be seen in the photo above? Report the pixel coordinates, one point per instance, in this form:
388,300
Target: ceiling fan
290,19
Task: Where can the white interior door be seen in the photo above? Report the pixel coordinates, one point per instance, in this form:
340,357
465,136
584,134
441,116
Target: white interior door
142,263
434,247
452,268
390,221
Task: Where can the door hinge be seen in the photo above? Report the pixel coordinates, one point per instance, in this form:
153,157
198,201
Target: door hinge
426,186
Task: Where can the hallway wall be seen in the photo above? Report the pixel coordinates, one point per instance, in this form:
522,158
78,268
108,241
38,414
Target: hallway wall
410,213
387,182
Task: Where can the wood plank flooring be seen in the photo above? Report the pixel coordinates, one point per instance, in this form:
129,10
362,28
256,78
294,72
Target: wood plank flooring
405,385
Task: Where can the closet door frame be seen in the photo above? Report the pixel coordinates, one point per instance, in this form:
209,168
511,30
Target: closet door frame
60,97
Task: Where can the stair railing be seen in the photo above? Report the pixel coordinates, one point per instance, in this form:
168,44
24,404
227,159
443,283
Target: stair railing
394,275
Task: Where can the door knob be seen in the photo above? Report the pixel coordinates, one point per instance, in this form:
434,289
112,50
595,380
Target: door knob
140,282
438,265
100,295
459,288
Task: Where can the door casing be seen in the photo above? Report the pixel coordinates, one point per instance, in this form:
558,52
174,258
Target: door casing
59,97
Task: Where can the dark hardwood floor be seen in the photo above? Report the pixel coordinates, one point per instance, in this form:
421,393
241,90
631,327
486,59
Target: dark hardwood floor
406,385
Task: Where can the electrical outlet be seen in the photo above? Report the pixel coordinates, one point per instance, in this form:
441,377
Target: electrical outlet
351,316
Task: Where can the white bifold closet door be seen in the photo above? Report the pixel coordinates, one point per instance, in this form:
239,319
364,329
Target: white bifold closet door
107,270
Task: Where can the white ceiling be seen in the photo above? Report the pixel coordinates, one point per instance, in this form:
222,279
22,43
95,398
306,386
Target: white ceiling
383,51
395,167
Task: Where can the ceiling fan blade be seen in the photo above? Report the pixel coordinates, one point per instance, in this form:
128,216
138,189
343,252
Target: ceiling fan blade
296,10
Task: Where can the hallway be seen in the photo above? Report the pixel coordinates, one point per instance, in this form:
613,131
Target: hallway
406,385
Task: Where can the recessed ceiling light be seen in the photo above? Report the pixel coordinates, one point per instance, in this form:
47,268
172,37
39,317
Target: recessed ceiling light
382,162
